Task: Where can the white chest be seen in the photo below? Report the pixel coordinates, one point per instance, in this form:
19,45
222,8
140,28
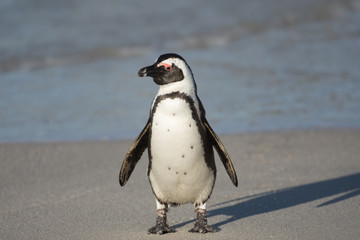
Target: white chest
175,135
179,172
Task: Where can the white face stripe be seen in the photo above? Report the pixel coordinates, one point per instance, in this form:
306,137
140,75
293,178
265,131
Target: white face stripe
178,62
187,85
188,77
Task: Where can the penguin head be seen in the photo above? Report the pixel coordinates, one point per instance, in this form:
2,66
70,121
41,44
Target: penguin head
168,68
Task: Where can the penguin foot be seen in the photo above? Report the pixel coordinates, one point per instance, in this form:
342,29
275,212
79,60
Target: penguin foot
162,225
201,225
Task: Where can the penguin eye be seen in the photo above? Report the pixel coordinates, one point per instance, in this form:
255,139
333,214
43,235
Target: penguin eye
167,67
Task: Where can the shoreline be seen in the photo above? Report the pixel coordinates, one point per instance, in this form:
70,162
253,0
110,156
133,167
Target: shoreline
299,184
221,135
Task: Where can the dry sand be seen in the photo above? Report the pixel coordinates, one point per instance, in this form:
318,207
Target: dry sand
292,185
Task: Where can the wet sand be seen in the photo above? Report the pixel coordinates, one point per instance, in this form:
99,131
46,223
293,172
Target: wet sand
292,185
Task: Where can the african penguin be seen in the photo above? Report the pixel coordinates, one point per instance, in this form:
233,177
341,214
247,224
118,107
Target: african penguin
180,145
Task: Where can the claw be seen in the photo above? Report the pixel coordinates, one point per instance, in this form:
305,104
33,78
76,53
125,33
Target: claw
201,225
162,225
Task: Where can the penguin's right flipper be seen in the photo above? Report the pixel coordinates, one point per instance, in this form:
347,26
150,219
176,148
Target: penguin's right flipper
134,154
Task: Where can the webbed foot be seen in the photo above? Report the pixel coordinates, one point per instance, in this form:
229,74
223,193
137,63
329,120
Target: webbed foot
162,225
201,225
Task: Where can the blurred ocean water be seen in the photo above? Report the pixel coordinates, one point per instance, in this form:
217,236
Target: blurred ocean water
68,69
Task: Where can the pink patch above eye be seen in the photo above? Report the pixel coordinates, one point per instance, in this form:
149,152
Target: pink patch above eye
166,66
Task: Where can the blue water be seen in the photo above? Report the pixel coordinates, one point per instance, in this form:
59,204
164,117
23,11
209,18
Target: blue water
68,69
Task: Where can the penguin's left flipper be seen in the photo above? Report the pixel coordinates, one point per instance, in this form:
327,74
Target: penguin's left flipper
134,154
224,156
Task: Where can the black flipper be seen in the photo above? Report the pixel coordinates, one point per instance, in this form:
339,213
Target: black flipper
134,154
224,156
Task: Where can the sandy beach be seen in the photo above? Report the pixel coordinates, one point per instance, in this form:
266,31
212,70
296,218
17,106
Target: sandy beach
292,185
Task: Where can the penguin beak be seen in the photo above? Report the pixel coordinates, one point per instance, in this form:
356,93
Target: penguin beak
151,71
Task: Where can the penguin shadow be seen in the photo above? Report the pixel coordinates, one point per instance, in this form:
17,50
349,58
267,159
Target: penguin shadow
239,208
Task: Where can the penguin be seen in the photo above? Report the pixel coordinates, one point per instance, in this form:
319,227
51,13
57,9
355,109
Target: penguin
180,145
